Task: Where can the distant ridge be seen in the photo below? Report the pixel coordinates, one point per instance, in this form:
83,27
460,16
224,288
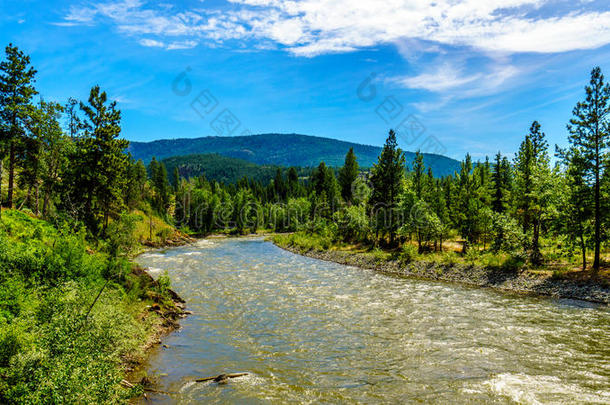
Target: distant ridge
279,149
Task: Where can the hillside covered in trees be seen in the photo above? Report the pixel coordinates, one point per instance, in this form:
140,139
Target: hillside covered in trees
278,149
222,169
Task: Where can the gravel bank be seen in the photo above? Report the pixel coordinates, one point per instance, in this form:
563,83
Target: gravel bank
524,283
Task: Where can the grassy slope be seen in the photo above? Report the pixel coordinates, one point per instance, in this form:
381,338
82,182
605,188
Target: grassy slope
49,351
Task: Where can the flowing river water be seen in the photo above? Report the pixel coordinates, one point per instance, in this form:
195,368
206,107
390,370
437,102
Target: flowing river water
309,331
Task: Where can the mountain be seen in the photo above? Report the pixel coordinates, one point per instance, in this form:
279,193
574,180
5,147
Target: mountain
279,149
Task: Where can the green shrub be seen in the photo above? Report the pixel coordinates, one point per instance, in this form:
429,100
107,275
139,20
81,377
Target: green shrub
408,253
50,351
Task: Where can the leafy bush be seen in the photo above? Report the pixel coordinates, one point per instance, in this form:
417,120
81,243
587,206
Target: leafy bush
352,223
50,352
408,253
506,234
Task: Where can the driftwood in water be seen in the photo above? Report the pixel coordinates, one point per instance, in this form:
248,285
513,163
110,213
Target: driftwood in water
221,378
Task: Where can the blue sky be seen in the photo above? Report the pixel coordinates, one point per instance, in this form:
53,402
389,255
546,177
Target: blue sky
471,74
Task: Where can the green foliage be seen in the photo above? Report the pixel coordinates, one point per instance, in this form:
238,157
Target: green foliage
506,235
164,282
347,176
352,223
49,352
277,150
408,253
386,182
588,154
220,168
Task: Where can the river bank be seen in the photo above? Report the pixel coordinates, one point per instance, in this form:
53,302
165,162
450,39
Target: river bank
474,275
162,315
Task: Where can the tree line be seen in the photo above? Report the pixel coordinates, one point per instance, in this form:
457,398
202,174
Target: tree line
505,204
69,160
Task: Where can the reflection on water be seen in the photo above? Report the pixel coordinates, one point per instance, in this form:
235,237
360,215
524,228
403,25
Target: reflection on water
309,331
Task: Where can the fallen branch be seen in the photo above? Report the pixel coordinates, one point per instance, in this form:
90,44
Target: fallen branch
221,378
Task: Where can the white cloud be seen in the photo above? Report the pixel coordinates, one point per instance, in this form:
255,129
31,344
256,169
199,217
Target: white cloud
182,45
446,77
312,27
151,43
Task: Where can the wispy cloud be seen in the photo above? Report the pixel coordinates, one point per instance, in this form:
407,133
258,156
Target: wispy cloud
151,43
312,27
494,30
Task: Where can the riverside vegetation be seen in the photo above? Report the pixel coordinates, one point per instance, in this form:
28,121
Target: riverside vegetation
75,314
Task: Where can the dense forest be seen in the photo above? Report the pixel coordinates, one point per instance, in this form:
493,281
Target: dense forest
279,150
68,165
223,169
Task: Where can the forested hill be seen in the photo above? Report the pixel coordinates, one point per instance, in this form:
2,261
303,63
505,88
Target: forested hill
221,168
279,149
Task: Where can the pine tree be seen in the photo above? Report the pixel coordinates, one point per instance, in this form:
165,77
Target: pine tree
499,196
279,186
293,183
176,178
16,92
532,180
590,137
467,208
418,175
99,165
347,176
386,180
44,156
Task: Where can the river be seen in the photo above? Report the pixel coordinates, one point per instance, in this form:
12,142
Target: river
309,331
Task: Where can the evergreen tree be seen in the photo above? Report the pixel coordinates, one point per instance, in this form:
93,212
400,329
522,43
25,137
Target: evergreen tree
176,179
467,209
589,137
16,92
162,188
347,176
99,164
500,187
279,186
532,181
418,175
386,180
293,183
45,153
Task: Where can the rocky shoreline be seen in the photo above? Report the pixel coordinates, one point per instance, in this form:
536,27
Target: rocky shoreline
473,275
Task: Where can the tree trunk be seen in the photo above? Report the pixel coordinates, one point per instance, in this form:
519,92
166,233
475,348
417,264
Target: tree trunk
26,200
106,216
597,224
583,249
1,167
45,203
536,256
37,199
11,175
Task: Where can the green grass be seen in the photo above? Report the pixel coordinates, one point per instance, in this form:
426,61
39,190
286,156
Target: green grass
306,241
50,352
